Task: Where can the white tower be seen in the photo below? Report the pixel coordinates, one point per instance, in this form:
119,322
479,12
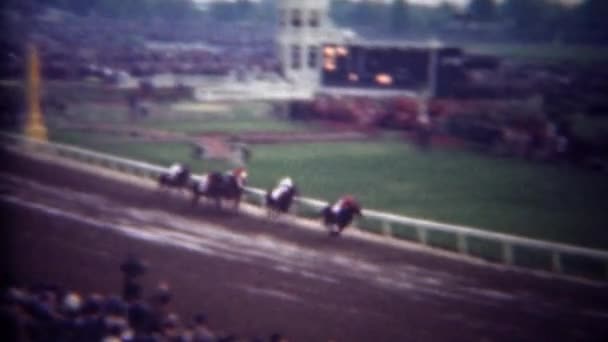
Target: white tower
303,28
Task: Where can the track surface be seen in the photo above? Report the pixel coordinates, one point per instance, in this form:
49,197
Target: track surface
254,277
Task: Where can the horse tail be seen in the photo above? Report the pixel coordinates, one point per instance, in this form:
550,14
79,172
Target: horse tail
194,187
326,213
162,179
326,210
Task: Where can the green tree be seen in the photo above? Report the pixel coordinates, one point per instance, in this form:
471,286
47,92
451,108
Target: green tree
176,9
340,11
538,19
223,11
399,20
594,14
368,13
525,14
483,10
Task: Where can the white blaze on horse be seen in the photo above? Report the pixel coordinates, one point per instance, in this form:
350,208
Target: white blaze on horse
338,216
178,176
221,186
279,200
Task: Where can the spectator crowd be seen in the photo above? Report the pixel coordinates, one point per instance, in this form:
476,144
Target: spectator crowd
44,312
73,47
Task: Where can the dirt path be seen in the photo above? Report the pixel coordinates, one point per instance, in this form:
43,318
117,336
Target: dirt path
254,277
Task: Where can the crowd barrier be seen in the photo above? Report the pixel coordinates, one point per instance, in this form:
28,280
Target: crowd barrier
496,247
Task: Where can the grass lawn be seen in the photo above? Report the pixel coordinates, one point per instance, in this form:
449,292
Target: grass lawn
516,197
164,153
181,117
544,52
228,125
556,203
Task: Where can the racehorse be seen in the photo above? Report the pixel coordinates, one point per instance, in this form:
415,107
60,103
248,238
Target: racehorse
338,216
279,200
218,186
178,177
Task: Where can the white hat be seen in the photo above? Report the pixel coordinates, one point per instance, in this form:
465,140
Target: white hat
72,301
286,182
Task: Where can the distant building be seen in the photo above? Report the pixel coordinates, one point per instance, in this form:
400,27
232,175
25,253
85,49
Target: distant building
317,55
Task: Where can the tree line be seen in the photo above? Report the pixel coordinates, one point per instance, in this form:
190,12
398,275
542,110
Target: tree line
239,10
130,9
522,20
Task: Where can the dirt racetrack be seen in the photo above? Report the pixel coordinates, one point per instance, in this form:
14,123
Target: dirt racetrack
254,277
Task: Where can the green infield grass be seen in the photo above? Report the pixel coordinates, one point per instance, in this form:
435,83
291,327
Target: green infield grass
544,201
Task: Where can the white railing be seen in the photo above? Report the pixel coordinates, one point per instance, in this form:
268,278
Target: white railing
388,223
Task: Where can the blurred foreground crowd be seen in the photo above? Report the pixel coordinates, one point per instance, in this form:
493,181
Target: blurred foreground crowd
46,312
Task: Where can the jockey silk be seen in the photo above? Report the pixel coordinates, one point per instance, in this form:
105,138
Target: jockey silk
283,187
175,169
276,193
203,184
337,207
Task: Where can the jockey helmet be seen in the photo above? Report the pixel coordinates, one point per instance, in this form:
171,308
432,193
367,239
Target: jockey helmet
349,200
286,182
239,172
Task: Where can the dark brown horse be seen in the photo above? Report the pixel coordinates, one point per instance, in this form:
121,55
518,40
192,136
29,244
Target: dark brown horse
279,200
217,187
177,177
338,216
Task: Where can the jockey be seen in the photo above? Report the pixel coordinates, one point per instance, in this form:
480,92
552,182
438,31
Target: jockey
175,170
343,203
284,185
204,183
239,174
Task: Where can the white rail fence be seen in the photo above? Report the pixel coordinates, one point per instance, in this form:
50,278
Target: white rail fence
507,249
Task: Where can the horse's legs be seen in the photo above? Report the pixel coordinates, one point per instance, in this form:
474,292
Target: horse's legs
334,230
237,203
162,187
195,198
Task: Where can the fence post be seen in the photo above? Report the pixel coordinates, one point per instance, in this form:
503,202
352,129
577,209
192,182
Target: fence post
295,208
507,254
387,230
422,236
462,243
556,262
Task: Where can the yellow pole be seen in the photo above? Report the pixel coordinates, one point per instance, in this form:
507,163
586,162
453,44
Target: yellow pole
34,127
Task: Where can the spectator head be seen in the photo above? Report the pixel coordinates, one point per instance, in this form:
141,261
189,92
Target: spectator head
72,302
132,290
163,294
140,316
15,296
114,306
93,304
172,320
227,338
170,326
276,337
133,266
